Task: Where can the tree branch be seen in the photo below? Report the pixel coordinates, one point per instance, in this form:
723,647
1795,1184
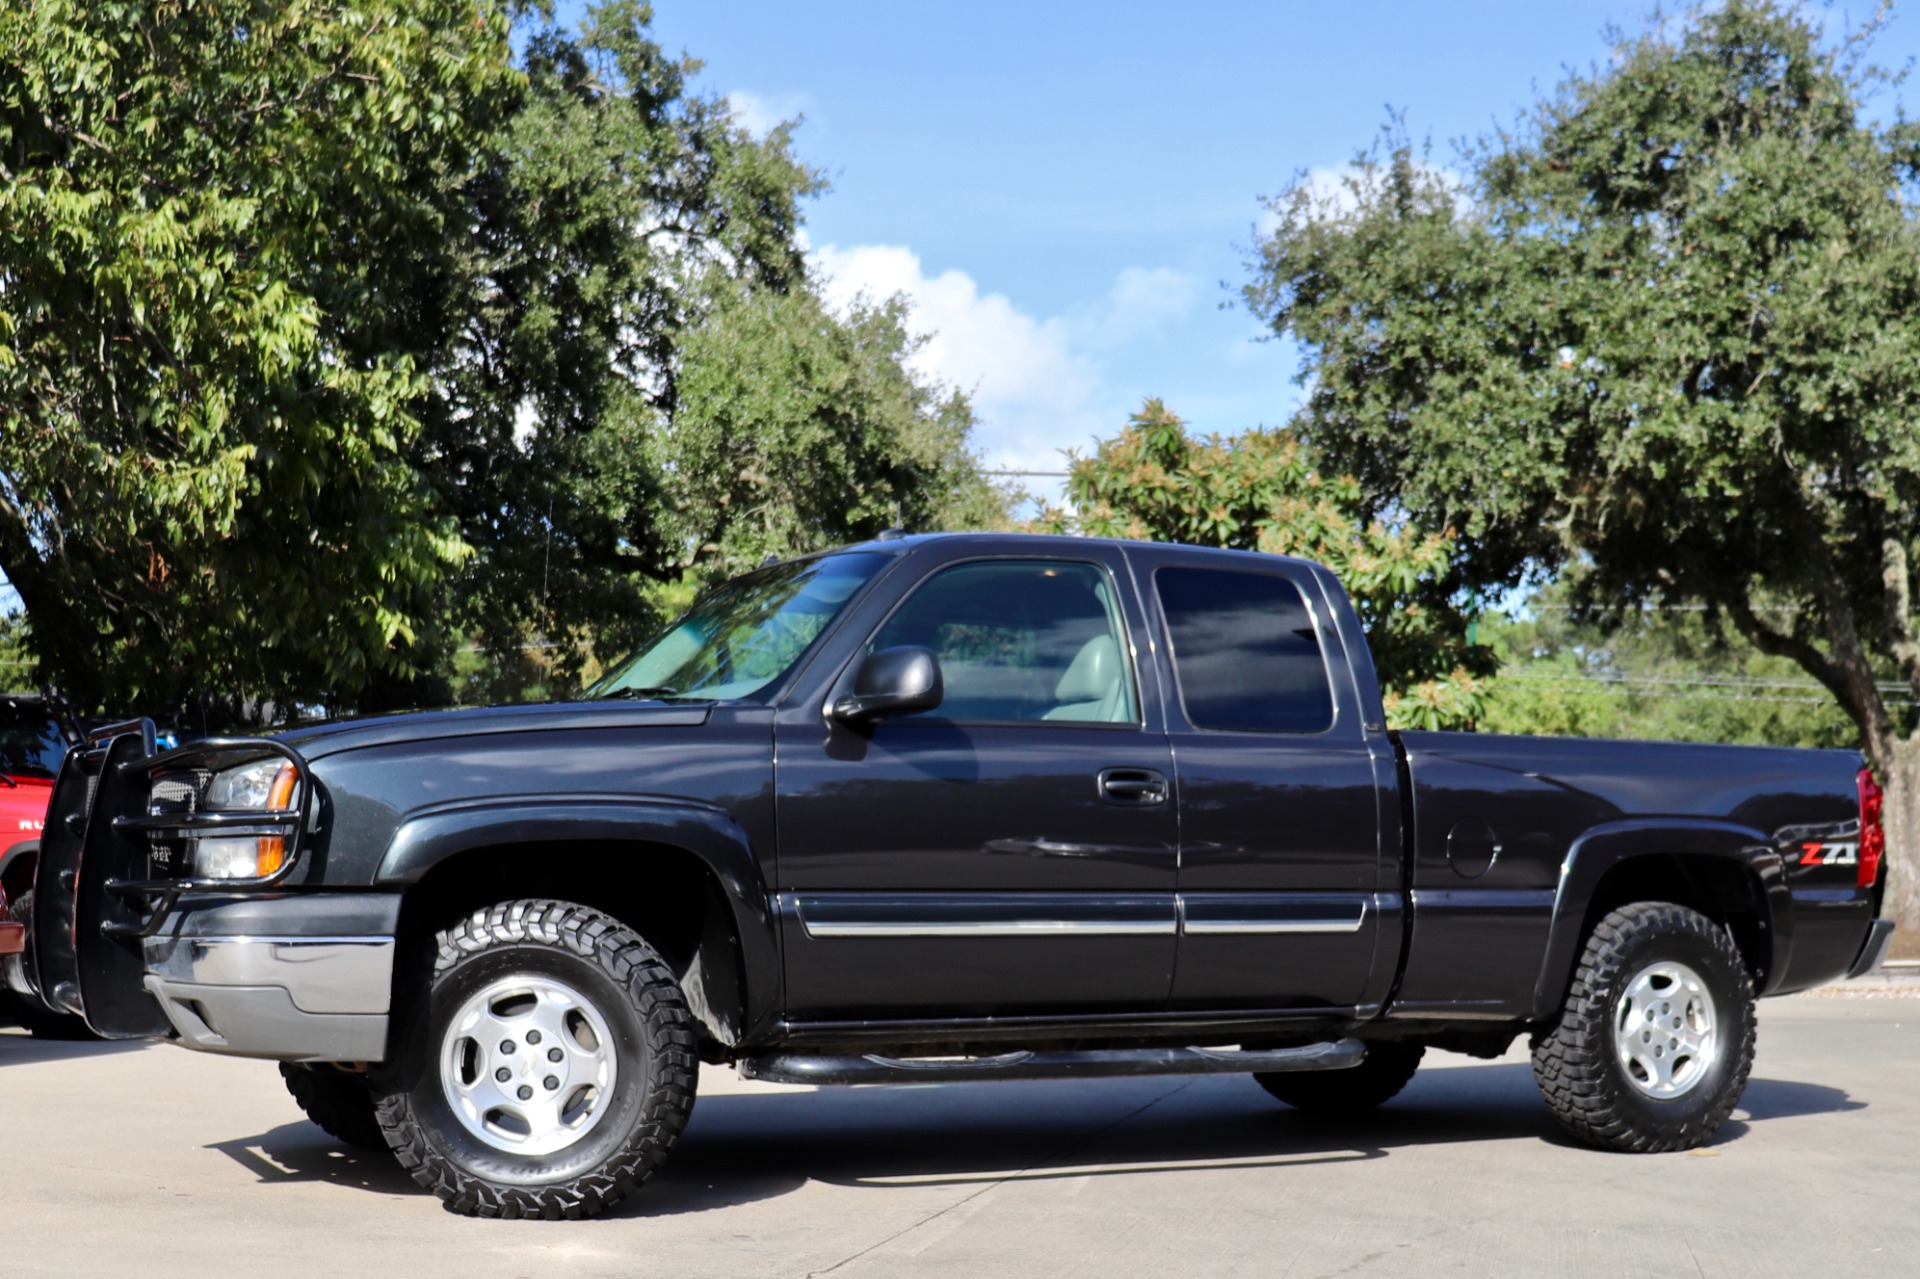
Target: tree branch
1853,680
1896,579
1849,659
1777,644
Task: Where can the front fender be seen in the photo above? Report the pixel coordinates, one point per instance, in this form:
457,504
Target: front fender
1604,847
429,836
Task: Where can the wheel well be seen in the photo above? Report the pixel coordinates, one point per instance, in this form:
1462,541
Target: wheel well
17,876
1719,888
666,894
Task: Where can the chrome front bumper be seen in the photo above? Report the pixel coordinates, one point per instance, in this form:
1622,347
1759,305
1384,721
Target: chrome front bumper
280,978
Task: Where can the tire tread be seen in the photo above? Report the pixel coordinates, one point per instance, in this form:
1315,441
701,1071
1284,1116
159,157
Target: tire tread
341,1105
1573,1063
648,983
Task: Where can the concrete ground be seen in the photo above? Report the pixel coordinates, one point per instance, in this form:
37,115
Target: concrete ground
154,1162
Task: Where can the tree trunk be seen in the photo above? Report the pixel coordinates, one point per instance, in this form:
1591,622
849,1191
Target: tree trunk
1900,814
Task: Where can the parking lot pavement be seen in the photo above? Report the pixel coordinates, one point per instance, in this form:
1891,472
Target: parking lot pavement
154,1162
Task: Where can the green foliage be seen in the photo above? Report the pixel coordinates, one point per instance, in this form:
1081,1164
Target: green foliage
1657,674
18,671
617,204
1264,490
650,391
205,207
798,430
1670,327
332,342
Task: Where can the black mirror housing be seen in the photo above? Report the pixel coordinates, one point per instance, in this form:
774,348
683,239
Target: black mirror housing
893,681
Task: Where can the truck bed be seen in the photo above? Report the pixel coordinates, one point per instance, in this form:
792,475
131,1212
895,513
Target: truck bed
1506,834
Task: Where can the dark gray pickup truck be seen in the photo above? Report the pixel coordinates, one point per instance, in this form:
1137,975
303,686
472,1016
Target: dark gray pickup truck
945,808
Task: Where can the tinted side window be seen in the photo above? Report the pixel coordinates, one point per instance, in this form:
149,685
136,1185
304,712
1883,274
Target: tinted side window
1021,640
30,741
1244,651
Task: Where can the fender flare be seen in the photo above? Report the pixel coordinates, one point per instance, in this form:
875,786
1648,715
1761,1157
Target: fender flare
16,851
427,837
1605,847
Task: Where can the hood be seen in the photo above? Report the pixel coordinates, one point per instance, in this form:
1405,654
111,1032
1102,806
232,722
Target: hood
316,740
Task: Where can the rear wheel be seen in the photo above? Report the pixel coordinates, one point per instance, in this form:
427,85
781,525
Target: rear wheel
550,1070
1378,1078
1655,1040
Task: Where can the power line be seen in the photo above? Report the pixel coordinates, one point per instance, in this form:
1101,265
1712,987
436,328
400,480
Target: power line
1719,681
1617,688
1669,608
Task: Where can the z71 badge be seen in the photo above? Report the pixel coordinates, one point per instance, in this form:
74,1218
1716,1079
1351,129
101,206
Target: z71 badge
1833,852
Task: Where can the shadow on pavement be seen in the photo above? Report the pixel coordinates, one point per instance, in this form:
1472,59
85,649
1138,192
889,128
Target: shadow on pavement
18,1048
300,1151
1785,1098
744,1147
1782,1099
757,1146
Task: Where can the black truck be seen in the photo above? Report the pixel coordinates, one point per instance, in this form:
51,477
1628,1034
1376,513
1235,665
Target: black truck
933,808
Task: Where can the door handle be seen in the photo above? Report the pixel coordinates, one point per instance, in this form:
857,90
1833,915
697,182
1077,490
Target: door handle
1138,787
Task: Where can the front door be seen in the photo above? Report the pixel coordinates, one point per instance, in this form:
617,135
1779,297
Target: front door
1011,851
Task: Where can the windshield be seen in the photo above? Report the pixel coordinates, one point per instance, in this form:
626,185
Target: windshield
745,635
30,742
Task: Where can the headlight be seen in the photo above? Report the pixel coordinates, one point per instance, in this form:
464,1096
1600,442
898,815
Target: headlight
265,783
262,784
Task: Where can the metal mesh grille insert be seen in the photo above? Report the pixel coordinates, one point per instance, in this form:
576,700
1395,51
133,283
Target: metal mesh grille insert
174,794
177,792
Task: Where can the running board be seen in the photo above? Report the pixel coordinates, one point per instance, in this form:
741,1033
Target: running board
872,1068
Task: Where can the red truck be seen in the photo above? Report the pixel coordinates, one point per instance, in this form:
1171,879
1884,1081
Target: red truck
35,732
34,736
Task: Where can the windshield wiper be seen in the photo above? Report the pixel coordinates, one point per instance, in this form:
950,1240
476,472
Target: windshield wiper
647,694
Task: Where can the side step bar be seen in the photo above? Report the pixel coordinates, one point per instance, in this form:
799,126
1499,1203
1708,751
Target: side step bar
872,1068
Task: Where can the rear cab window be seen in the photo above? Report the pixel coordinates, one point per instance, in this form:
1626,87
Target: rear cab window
1246,654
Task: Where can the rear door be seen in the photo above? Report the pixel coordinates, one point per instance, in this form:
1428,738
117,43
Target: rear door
1288,866
1012,851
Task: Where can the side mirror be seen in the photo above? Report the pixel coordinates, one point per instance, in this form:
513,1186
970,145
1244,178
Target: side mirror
893,681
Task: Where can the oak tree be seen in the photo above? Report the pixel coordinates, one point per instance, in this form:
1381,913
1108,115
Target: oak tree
1666,327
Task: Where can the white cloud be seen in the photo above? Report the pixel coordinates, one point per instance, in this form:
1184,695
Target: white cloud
1333,193
1037,383
759,113
1140,301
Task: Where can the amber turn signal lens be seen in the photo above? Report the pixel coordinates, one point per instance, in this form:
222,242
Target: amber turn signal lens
273,848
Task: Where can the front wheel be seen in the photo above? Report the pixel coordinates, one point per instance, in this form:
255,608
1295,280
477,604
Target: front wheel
1655,1040
338,1102
550,1070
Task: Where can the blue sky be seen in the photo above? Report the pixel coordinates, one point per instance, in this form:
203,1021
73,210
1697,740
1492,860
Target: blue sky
1068,191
